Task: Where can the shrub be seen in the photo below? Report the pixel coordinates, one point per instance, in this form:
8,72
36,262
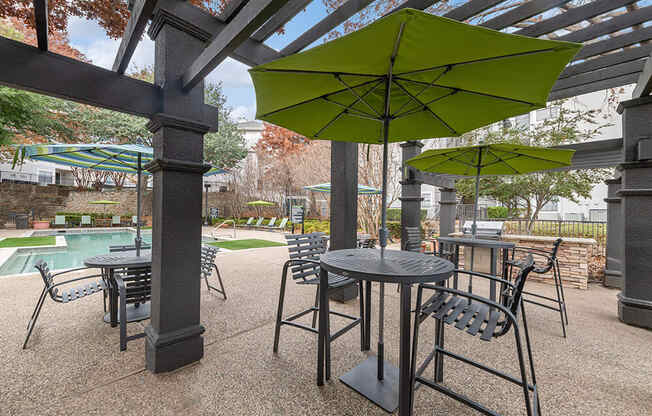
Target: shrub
497,212
394,214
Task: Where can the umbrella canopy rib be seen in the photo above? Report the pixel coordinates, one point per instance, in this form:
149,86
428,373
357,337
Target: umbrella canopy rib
426,108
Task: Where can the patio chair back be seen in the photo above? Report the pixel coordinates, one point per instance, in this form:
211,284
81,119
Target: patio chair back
511,297
138,284
413,242
134,220
250,220
272,222
306,247
260,221
116,220
282,224
207,260
48,280
60,220
86,220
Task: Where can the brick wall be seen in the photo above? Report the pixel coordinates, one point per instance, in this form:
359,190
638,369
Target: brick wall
574,255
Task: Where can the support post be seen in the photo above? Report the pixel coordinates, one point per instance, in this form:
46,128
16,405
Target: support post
447,211
410,191
174,335
344,205
635,299
613,270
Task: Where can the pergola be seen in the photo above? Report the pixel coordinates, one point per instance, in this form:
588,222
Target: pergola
190,43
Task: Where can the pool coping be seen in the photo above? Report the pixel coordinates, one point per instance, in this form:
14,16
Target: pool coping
7,253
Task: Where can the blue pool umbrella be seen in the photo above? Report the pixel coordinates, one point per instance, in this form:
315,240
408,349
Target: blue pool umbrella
326,188
127,158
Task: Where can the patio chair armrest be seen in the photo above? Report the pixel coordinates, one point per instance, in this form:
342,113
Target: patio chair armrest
473,297
485,276
532,250
75,280
294,262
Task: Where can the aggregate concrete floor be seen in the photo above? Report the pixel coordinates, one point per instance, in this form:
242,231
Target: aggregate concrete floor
73,364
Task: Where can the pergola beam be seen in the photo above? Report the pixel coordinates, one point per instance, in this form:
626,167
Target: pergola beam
415,4
140,15
287,12
617,42
607,60
573,16
324,26
594,154
644,82
614,71
231,9
248,20
471,8
520,13
41,20
612,25
593,87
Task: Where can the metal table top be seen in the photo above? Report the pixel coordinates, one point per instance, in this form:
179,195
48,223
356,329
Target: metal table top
476,242
124,259
395,267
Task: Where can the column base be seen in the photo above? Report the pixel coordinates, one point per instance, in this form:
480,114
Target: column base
167,352
613,278
635,312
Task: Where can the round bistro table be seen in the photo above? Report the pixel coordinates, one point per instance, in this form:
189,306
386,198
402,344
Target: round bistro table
402,267
108,263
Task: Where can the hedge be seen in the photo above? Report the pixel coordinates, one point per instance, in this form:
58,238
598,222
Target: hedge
394,214
497,212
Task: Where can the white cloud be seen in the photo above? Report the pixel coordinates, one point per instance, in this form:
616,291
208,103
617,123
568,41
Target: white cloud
243,112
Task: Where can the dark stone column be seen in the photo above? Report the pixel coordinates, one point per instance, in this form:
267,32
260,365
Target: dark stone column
410,191
174,335
447,211
344,205
612,273
635,300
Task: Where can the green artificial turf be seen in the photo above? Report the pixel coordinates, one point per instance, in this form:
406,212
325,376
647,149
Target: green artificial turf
49,240
244,244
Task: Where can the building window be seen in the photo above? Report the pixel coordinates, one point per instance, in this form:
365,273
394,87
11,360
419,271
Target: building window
546,113
45,177
522,121
551,206
427,200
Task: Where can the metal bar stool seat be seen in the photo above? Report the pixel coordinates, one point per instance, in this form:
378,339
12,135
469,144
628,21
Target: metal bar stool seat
476,315
304,265
558,303
62,294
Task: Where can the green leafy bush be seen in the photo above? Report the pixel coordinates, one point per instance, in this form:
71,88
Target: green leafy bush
497,212
394,214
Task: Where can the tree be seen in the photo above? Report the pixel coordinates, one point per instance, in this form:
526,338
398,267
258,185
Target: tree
530,193
226,147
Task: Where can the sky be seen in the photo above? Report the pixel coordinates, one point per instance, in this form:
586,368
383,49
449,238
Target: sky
90,39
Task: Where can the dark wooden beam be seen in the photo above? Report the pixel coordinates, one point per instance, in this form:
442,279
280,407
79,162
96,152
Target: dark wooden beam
520,13
327,24
247,21
607,60
573,16
140,15
287,12
231,9
617,42
471,8
593,87
612,25
27,68
41,20
414,4
594,154
644,82
614,71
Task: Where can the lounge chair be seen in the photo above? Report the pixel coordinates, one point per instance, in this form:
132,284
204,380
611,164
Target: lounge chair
260,221
207,266
269,224
249,222
61,294
280,226
86,220
60,220
117,220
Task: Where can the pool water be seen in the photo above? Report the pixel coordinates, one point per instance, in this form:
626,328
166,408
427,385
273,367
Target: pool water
80,247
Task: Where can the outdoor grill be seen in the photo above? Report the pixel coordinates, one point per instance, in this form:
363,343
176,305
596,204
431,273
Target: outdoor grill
487,230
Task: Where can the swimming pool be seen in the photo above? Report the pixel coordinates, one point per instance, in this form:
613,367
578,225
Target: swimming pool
80,246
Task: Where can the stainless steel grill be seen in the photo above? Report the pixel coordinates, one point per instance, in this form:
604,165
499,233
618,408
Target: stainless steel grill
491,230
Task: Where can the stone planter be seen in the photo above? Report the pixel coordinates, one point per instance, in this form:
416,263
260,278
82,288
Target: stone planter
40,225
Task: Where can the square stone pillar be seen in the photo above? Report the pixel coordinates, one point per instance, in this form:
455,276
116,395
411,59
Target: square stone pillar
344,206
612,273
635,300
410,191
447,211
174,335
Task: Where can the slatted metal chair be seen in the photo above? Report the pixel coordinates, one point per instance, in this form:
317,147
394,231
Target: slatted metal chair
207,265
551,265
134,287
413,242
128,247
476,315
305,250
61,294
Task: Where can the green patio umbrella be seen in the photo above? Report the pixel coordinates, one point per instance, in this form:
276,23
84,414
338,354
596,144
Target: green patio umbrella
104,202
408,76
260,203
127,158
490,159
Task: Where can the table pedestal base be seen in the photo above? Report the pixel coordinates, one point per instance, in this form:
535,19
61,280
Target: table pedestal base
364,380
134,314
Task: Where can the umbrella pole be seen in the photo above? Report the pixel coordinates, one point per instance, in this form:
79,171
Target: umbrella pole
474,227
138,239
